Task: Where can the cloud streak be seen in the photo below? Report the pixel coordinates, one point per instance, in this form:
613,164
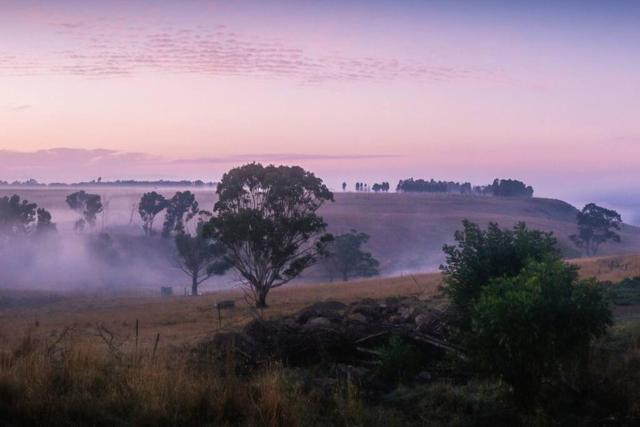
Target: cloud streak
102,50
18,108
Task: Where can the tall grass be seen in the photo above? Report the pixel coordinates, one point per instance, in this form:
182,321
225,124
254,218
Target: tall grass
81,383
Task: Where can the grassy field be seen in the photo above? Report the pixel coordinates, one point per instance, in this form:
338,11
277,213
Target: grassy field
181,321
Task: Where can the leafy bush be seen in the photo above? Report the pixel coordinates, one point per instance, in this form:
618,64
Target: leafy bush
482,255
627,292
536,327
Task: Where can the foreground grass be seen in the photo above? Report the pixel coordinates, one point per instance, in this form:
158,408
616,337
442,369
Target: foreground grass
66,382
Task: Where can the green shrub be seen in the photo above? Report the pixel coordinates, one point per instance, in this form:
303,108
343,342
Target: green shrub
482,255
534,328
627,292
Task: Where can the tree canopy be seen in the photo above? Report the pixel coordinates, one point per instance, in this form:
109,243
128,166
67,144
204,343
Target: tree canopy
21,217
346,258
510,188
267,219
181,208
596,226
384,187
432,186
87,205
150,205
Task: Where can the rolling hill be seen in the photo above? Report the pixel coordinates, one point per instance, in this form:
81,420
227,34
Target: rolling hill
407,229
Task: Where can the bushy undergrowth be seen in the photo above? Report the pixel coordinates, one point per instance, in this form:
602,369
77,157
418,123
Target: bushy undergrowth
86,384
627,291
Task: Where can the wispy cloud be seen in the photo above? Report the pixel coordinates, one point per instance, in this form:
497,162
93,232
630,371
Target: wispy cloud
100,50
17,108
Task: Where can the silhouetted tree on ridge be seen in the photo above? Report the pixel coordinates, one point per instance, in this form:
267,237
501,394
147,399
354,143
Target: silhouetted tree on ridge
596,226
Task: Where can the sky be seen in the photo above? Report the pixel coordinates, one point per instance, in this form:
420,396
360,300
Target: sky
367,90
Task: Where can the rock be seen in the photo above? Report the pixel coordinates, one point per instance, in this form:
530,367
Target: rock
332,310
318,322
395,319
422,320
406,313
357,317
367,310
425,297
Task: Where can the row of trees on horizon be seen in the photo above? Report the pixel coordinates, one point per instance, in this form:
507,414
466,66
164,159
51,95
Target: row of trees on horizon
499,187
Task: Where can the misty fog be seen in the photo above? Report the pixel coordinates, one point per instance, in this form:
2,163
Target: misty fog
407,233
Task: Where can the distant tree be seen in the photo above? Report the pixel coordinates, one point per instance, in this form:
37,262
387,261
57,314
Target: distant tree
510,188
346,258
199,257
431,186
44,223
482,255
21,217
536,327
267,220
384,186
181,208
16,215
151,204
87,205
596,226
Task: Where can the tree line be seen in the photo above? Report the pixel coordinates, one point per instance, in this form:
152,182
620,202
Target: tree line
499,187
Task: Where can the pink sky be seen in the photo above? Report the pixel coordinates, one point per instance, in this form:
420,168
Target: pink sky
354,90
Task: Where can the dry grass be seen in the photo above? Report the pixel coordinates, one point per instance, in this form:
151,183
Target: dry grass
611,268
181,321
81,384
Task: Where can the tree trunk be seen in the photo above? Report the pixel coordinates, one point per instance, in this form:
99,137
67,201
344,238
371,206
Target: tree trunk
345,273
194,285
261,298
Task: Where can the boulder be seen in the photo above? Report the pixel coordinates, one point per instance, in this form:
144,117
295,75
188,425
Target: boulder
318,322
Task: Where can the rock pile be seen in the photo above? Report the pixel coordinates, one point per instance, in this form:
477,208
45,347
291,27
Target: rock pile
332,332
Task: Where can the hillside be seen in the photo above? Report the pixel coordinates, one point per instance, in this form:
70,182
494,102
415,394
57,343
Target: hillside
407,229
